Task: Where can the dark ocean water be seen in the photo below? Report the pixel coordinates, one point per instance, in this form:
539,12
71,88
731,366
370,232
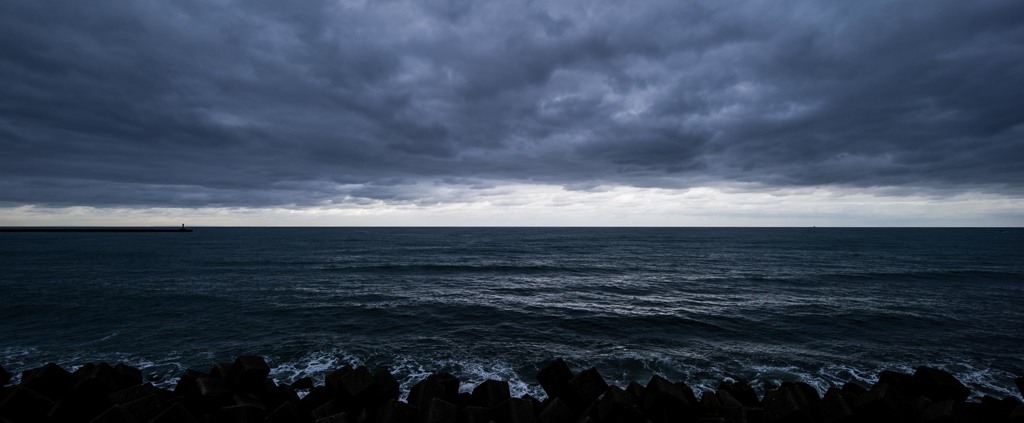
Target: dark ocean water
694,304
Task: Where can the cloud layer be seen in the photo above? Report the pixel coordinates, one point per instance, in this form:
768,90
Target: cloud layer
318,103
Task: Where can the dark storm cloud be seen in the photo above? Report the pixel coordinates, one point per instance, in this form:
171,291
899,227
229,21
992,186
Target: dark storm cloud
200,103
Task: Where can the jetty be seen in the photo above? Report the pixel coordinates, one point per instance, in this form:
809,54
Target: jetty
243,391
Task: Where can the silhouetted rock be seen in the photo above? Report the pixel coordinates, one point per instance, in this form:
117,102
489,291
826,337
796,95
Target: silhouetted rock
1020,386
946,411
221,370
85,369
105,378
113,415
991,409
315,398
590,412
303,384
385,387
439,411
474,414
248,399
247,373
143,409
834,408
394,411
536,403
337,418
438,385
102,393
85,401
246,413
274,395
726,400
584,388
617,405
176,413
286,413
187,383
636,390
490,393
730,408
328,408
425,391
919,404
356,384
852,392
514,410
557,411
1016,416
133,393
5,376
742,392
997,409
333,380
464,399
666,402
50,381
211,387
939,385
25,405
882,403
449,383
790,403
127,375
687,392
208,395
901,382
554,378
709,400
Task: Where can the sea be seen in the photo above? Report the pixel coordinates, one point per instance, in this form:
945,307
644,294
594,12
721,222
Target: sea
700,305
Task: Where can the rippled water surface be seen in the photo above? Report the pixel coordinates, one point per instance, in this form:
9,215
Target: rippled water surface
694,304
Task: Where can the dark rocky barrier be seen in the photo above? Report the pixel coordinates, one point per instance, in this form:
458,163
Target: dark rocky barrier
242,392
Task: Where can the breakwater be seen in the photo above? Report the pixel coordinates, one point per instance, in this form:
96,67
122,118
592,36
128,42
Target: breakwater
242,392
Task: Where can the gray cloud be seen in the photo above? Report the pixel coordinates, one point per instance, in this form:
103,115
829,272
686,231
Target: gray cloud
199,103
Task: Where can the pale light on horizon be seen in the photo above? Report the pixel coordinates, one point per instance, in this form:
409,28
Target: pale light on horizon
552,205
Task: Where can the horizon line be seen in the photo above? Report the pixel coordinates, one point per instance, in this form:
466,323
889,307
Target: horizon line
505,226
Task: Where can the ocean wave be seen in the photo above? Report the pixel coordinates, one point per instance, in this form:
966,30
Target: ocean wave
408,370
495,269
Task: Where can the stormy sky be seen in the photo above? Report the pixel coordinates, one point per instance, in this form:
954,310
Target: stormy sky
512,112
